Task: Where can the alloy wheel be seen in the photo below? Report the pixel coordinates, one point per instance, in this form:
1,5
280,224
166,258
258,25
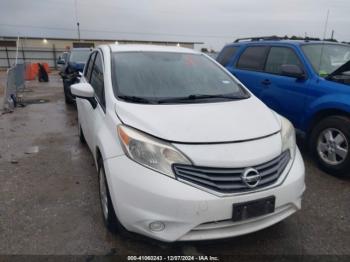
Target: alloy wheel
332,146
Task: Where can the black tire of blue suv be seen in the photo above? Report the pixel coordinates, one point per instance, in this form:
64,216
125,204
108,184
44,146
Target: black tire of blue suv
335,123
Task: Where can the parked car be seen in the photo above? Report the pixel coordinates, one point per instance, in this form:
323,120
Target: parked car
305,81
74,64
62,61
183,150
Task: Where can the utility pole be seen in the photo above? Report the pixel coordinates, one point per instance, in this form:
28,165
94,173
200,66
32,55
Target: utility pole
17,46
76,17
332,34
78,31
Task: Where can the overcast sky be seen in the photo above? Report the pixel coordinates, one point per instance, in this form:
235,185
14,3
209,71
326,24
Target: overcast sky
214,22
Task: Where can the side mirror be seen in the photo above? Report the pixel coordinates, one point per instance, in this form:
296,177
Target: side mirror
60,62
292,71
84,91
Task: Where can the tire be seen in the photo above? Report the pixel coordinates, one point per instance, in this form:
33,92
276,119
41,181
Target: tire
67,97
108,214
81,135
330,145
68,100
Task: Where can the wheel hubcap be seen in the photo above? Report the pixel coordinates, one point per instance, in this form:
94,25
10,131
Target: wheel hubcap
103,194
332,146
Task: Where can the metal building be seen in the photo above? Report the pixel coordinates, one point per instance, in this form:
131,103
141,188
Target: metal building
48,50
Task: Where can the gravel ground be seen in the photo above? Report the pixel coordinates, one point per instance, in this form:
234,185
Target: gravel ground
49,199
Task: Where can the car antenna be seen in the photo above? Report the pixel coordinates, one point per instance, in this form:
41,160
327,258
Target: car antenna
323,43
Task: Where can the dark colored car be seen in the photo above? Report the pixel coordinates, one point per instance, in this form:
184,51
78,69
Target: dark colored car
74,64
306,81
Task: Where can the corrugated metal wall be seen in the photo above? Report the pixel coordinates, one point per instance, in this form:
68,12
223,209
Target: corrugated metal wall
33,55
48,51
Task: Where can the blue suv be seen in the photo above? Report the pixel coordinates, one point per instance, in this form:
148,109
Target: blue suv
306,81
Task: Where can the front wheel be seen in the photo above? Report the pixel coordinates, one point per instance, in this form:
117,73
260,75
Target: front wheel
330,145
68,98
108,212
81,135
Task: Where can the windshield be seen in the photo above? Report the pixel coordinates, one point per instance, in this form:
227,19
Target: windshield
80,56
326,58
171,78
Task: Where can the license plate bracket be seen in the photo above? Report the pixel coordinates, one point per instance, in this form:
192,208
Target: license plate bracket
252,209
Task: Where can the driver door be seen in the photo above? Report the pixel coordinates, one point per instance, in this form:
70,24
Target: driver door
284,94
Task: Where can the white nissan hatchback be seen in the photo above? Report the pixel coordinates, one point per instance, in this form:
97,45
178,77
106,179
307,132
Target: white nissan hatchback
183,150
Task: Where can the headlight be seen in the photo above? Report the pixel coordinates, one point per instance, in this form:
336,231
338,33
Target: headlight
288,136
149,151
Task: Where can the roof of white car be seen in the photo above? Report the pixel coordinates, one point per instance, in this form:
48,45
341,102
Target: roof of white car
150,48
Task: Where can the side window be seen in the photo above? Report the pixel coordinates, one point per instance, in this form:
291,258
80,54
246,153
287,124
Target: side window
253,58
227,54
280,56
97,80
89,65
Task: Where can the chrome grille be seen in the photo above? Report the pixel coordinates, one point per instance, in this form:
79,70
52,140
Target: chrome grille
228,180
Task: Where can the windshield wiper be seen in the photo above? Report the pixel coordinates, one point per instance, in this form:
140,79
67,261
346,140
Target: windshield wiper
194,97
344,68
136,99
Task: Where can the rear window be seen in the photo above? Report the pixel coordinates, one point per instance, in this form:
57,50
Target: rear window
227,54
253,58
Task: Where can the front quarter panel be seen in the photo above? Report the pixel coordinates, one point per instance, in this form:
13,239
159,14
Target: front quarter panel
339,102
107,137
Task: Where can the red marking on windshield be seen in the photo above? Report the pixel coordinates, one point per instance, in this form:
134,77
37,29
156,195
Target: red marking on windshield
189,60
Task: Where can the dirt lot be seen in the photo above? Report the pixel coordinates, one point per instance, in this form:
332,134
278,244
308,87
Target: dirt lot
49,199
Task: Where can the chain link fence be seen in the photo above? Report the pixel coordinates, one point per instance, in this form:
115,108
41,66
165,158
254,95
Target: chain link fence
14,85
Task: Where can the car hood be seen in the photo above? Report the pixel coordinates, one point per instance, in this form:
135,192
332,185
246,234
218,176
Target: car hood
202,122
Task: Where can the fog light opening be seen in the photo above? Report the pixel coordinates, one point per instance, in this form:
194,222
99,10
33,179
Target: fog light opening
156,226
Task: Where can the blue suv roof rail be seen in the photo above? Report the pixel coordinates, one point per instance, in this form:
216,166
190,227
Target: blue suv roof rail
259,38
275,38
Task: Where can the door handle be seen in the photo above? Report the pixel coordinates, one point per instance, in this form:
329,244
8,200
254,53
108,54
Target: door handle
266,82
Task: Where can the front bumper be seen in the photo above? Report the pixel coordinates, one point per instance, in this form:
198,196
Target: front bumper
142,196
